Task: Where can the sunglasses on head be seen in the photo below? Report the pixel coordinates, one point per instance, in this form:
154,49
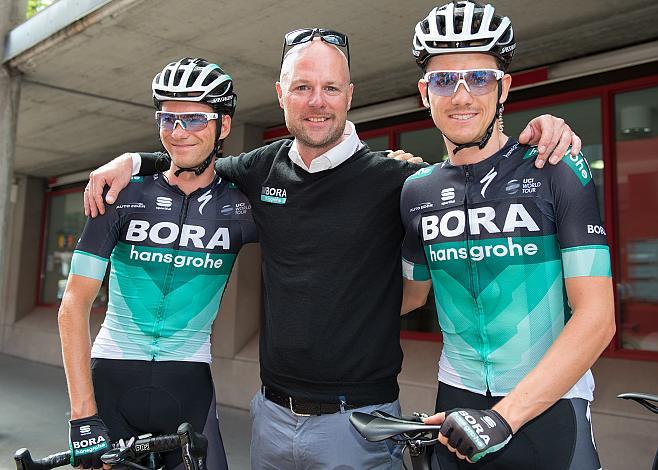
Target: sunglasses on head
192,122
476,81
300,36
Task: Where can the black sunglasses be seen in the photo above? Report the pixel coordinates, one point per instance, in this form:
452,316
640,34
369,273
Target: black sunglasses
300,36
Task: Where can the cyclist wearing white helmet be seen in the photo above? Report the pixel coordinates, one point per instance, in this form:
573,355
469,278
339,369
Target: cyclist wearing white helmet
518,259
172,238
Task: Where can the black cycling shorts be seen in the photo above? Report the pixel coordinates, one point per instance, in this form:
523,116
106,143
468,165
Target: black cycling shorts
559,439
140,397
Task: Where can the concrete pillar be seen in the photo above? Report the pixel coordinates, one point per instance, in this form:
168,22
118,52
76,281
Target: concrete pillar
10,15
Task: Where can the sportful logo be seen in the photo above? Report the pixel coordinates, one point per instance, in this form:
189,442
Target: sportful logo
447,196
273,195
163,203
487,179
204,199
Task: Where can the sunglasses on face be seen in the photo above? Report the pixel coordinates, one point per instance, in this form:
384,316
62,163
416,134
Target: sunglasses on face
476,81
300,36
191,122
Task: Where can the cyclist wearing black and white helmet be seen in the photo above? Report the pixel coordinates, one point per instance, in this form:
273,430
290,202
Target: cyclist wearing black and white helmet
172,238
518,259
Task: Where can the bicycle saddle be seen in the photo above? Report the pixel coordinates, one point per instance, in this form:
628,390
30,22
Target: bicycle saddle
643,399
378,426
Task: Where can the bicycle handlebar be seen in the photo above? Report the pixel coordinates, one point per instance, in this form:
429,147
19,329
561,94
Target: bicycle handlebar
192,445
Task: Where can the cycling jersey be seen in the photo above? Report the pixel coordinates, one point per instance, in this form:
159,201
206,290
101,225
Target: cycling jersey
497,238
171,256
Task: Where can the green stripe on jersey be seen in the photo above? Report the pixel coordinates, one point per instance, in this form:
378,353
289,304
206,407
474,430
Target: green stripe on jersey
88,265
592,260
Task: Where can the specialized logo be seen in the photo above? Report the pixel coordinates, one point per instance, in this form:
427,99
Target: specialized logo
204,199
453,223
487,179
163,203
447,196
220,99
273,195
508,48
166,233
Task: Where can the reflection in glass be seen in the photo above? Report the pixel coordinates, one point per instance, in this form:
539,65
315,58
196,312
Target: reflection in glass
636,151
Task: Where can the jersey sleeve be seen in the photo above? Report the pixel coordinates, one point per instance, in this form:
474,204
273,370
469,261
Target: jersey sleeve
240,170
247,224
580,232
98,239
153,163
414,262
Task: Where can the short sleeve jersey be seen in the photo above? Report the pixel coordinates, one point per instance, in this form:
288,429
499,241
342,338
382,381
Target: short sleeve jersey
497,239
171,256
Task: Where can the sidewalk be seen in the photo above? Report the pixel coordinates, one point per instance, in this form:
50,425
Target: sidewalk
34,414
34,410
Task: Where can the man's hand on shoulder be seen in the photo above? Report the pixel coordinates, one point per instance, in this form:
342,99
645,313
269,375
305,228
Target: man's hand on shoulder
115,174
552,136
405,156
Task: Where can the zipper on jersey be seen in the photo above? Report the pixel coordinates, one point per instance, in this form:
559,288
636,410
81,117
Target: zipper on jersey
474,282
169,276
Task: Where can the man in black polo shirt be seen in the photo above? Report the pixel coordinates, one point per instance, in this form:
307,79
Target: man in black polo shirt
327,209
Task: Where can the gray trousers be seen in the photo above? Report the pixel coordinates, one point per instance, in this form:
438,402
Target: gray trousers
281,440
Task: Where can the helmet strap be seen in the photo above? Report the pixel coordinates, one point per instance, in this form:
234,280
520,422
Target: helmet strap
487,135
216,152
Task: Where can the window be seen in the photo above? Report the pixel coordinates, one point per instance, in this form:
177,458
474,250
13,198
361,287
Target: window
636,159
377,143
65,220
584,117
426,143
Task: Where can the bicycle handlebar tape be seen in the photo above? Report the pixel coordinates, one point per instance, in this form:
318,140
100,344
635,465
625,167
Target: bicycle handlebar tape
194,446
24,460
88,440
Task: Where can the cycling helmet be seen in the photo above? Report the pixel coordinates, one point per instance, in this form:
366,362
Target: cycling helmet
461,27
464,26
200,81
195,80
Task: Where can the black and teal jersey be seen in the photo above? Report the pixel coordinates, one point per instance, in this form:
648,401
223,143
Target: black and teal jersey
497,239
171,256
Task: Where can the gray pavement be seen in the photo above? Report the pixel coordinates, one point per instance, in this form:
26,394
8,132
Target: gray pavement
34,413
